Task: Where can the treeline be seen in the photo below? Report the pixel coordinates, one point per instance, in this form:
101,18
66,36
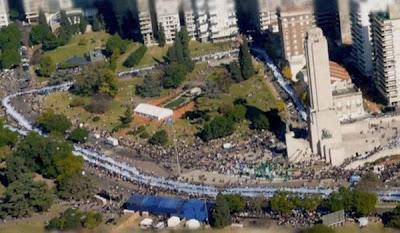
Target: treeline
50,157
355,202
10,43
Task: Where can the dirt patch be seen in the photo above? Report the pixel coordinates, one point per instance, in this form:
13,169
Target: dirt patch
179,112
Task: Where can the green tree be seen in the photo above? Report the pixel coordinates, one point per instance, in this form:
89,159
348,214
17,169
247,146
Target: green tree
46,66
82,24
160,138
70,219
341,200
75,187
24,197
15,168
116,43
127,118
40,154
161,36
51,122
221,216
219,127
79,135
7,137
364,202
392,218
96,79
175,74
135,57
237,113
235,202
236,73
10,57
260,122
280,203
151,86
92,219
369,183
42,18
98,24
245,60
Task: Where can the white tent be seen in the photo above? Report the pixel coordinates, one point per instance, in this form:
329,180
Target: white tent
363,222
153,112
173,222
146,223
193,224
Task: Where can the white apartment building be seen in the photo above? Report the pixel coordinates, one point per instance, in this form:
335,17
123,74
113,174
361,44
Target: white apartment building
385,33
145,22
188,14
167,15
215,20
4,20
267,14
361,34
32,7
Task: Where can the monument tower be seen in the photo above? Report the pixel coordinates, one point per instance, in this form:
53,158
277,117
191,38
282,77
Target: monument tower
324,126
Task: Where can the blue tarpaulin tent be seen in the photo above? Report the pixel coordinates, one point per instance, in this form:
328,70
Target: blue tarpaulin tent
188,209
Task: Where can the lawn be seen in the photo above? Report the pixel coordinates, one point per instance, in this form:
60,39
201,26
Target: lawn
156,54
60,101
79,45
255,90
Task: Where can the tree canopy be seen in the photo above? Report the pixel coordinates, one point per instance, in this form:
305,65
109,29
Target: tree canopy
217,128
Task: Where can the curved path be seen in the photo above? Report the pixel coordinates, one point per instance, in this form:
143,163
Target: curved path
133,174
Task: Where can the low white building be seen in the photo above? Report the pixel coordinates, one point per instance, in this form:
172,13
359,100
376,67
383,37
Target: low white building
153,112
347,99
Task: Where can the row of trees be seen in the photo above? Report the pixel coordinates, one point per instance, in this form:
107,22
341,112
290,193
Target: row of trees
224,125
355,202
73,219
10,42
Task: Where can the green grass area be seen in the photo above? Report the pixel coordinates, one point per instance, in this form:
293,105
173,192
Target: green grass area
60,101
198,48
255,91
176,103
156,54
79,45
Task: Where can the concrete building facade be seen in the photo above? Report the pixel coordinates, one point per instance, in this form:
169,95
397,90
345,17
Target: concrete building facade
267,14
344,21
146,22
324,127
361,33
4,19
294,22
167,17
385,33
32,7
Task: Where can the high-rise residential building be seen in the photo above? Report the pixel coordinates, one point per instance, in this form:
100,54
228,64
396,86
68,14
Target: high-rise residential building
167,17
361,34
4,20
145,22
294,21
267,14
215,20
344,21
32,7
188,15
385,34
324,127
